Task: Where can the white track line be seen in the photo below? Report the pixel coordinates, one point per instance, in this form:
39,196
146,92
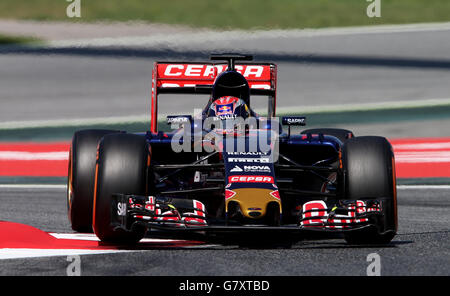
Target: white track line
33,186
17,253
423,187
25,155
74,122
93,237
9,253
423,146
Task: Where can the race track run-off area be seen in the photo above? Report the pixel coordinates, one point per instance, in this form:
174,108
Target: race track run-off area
414,158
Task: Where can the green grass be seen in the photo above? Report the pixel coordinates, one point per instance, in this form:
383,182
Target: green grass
14,40
231,14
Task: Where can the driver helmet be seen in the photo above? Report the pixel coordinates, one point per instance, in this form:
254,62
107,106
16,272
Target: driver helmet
228,107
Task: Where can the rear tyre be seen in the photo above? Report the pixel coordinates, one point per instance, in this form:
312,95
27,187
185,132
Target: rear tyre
342,134
122,167
81,174
369,172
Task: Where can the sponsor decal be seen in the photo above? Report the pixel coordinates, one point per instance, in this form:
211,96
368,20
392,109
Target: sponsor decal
257,168
224,110
276,194
121,209
250,179
198,70
293,120
179,119
229,193
150,204
249,153
251,160
251,168
315,213
189,75
223,116
193,219
311,209
236,169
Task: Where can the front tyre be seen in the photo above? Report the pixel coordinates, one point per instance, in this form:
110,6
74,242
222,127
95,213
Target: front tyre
122,167
81,175
369,173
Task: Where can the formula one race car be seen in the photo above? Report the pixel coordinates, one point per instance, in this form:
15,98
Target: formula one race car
228,170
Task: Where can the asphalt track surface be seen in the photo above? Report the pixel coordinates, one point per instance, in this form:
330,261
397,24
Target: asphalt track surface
420,248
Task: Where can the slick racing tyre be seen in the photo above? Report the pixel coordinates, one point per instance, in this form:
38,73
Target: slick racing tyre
81,174
342,134
369,173
122,167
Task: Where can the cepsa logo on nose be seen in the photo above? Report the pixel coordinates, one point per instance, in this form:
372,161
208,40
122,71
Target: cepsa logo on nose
194,70
250,179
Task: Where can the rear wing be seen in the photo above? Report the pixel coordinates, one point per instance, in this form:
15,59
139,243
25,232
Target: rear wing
198,78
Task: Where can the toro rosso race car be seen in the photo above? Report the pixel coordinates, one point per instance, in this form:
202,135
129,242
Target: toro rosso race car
228,170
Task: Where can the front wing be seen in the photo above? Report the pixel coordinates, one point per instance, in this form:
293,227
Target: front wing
176,215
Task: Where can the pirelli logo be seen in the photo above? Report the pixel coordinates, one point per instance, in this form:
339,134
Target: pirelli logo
250,160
